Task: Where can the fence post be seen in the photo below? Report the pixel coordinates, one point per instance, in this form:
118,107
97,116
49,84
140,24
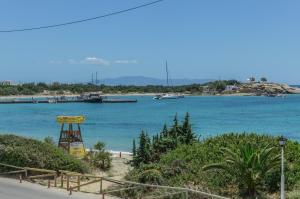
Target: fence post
48,183
20,178
101,186
70,193
68,183
78,183
62,179
55,180
186,195
103,196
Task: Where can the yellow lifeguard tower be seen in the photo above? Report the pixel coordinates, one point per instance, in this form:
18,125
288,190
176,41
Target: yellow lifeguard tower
70,138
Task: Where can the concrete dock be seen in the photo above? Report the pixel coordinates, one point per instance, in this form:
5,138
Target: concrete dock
58,100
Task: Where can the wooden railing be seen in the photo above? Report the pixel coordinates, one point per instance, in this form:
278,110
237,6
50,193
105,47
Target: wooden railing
25,171
68,178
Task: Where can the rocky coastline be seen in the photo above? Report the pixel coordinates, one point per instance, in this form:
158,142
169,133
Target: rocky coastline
261,89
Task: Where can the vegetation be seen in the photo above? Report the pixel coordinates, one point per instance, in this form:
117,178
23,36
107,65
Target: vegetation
59,88
168,139
244,165
49,140
99,158
252,79
249,165
26,152
263,79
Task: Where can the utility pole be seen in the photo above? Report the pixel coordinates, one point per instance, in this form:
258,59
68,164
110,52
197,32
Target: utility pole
167,71
282,141
96,78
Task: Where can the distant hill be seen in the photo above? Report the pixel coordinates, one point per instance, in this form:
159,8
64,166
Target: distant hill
143,81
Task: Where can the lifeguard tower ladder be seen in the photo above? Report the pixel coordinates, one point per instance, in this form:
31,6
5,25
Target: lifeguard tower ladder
70,138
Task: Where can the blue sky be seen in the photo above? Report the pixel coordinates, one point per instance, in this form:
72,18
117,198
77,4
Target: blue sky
199,38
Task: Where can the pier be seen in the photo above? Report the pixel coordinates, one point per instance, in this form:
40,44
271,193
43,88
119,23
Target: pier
66,100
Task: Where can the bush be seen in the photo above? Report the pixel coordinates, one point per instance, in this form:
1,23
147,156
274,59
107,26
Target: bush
49,140
183,166
26,152
100,158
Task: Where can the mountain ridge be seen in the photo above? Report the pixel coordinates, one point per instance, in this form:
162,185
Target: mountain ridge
143,81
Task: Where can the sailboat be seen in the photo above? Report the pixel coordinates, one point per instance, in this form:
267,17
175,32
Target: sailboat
168,95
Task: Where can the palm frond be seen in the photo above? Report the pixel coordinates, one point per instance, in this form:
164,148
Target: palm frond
217,166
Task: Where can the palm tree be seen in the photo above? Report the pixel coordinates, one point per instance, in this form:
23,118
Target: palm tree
249,165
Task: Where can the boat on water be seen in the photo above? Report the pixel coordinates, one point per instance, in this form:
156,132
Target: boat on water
168,95
92,98
98,98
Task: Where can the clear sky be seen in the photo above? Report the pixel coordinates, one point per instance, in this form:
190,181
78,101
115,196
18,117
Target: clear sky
199,38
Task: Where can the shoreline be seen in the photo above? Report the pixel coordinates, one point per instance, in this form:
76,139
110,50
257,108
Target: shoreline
122,95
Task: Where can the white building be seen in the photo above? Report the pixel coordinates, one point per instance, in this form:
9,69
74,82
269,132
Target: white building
231,88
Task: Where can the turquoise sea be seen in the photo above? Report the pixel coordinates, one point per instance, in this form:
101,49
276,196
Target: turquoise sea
118,124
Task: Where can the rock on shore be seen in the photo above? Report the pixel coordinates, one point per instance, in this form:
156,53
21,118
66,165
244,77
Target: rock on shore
268,88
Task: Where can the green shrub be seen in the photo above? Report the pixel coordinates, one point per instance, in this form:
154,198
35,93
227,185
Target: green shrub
26,152
168,139
49,140
183,166
99,158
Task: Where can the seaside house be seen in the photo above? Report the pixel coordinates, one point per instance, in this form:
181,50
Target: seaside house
231,88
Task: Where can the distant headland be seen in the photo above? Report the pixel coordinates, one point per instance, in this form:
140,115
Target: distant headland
219,87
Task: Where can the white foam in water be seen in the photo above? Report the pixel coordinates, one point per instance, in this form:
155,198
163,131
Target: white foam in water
112,152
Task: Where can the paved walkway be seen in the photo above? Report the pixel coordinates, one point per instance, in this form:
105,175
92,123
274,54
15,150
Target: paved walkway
12,189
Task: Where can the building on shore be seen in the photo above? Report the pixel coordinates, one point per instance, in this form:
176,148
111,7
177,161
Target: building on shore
6,83
231,88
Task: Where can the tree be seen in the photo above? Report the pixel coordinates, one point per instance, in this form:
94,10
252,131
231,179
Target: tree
252,79
133,148
175,128
100,146
164,131
100,158
163,142
250,167
263,79
186,130
220,86
143,154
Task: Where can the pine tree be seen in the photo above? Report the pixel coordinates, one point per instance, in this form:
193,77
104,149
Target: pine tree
175,128
133,148
165,141
148,147
175,125
143,154
164,132
187,132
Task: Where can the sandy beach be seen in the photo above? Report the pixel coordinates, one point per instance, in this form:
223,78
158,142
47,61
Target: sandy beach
120,167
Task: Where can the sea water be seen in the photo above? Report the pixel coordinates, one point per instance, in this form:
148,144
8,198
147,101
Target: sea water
118,124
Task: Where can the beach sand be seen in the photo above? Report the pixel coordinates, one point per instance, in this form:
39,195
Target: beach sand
118,171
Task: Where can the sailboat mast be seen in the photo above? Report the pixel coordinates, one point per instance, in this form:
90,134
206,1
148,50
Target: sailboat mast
167,71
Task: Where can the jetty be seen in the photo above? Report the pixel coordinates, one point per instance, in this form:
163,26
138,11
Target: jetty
63,99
